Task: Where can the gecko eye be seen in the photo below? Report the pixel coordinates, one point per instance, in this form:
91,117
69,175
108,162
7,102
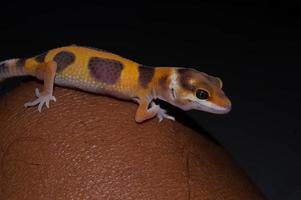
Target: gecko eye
202,94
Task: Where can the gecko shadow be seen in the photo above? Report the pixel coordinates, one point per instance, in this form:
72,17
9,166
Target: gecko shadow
11,83
183,118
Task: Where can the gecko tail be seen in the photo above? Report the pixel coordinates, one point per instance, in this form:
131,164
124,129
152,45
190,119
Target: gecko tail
11,68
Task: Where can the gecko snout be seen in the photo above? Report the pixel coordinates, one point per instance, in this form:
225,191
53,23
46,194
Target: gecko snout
227,105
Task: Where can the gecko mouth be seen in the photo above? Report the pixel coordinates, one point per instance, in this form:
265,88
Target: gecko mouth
212,108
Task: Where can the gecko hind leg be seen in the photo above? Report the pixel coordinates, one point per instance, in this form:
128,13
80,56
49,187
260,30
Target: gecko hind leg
45,72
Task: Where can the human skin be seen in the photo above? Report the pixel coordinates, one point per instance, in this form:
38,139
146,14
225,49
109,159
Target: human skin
88,146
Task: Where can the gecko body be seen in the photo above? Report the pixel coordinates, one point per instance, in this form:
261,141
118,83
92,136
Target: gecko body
106,73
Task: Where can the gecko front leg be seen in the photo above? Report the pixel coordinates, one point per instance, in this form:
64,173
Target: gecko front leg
45,72
144,113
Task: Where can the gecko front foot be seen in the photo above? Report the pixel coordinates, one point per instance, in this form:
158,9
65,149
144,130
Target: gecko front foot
161,114
41,100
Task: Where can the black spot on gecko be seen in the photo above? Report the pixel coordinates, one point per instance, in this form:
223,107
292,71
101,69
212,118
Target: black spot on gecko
63,60
20,63
105,70
145,75
185,75
41,58
163,82
3,68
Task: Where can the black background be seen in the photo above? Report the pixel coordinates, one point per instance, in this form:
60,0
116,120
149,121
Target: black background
254,46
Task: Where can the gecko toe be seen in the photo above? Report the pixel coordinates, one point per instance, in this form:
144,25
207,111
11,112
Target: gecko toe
160,118
31,103
37,92
170,117
53,98
40,106
47,103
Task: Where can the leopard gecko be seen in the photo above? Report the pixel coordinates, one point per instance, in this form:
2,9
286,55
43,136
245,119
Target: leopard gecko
105,73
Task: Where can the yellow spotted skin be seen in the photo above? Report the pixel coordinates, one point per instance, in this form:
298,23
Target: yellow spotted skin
77,74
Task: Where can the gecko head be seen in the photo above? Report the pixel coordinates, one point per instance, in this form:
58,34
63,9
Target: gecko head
191,89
